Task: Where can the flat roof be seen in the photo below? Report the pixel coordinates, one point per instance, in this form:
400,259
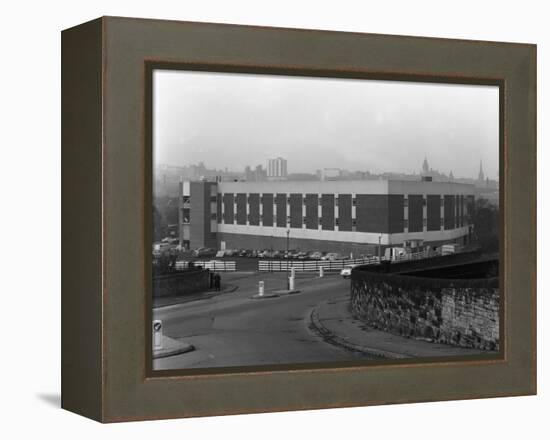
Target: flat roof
347,186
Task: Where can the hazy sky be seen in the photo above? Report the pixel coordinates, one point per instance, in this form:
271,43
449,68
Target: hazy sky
234,120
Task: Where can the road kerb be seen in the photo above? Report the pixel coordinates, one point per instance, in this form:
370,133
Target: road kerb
317,326
172,347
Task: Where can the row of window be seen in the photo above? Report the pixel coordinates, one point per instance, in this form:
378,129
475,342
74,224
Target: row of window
320,200
353,221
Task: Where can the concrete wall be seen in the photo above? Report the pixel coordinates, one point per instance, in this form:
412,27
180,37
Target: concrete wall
245,241
457,312
181,283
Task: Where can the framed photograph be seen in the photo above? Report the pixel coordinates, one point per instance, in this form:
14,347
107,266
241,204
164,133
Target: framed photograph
265,219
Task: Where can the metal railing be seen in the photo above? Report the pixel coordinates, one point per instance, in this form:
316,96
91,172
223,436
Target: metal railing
213,265
310,266
334,265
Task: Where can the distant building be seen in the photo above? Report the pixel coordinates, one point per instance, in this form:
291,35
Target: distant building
425,167
277,169
330,174
249,174
481,175
260,174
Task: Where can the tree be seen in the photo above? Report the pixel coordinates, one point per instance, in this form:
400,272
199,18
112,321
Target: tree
485,218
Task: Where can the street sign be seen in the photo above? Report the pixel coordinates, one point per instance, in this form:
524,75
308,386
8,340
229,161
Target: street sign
157,334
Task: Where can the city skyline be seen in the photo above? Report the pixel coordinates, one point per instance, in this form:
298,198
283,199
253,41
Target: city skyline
422,170
315,123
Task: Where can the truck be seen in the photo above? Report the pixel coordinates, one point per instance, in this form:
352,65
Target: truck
395,253
450,248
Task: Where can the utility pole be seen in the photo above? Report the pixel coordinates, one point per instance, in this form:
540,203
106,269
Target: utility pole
287,257
379,248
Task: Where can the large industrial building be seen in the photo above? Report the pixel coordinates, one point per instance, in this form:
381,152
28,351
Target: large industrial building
330,216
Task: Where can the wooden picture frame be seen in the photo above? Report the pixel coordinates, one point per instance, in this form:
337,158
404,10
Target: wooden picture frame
106,215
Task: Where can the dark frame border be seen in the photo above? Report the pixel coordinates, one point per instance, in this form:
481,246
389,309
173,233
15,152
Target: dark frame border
103,313
292,71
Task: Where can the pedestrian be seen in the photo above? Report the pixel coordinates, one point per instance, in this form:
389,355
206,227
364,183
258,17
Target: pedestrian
217,281
211,277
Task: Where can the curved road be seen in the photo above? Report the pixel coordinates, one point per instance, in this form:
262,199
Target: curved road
232,329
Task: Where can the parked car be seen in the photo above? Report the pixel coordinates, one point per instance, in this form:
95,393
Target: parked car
346,271
316,255
302,256
332,256
204,252
245,253
291,254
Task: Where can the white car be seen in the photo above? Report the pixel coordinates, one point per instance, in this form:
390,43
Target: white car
346,271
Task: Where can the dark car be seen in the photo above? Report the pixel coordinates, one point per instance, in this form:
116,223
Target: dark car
204,252
278,254
246,253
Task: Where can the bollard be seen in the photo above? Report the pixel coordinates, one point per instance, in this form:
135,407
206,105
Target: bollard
261,288
321,271
157,334
291,283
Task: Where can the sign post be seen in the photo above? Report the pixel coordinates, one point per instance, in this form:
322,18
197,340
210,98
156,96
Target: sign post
157,334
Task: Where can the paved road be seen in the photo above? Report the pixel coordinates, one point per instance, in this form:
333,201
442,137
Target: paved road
235,330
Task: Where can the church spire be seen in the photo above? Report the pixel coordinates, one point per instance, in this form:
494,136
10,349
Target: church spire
425,167
481,176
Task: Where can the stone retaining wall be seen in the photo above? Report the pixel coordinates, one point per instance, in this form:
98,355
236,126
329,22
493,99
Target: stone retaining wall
458,312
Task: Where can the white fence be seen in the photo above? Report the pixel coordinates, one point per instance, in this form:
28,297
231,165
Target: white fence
213,265
336,265
309,266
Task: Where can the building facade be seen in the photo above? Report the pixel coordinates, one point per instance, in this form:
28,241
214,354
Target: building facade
330,216
277,169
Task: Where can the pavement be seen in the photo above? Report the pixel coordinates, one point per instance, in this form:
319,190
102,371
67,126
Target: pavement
171,347
333,321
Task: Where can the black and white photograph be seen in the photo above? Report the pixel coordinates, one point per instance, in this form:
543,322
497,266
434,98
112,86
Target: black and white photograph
275,220
301,220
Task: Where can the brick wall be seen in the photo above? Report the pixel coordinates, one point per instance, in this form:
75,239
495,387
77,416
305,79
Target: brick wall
458,312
